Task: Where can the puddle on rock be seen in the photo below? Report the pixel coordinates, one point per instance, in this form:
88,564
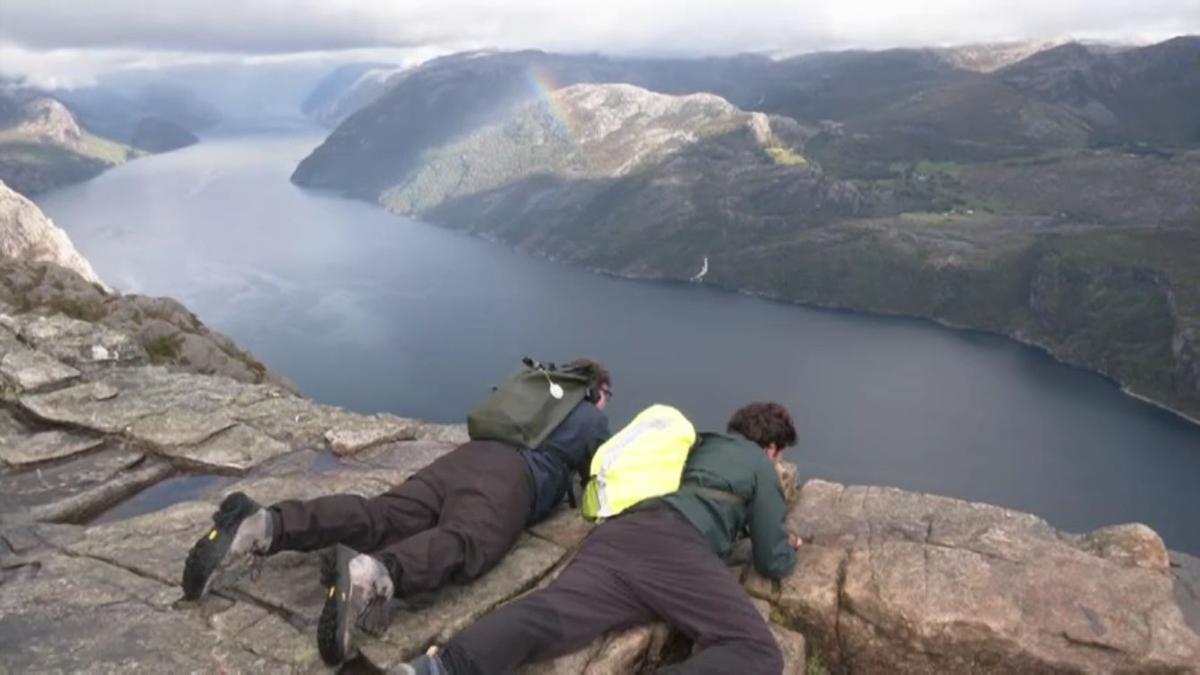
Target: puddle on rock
161,495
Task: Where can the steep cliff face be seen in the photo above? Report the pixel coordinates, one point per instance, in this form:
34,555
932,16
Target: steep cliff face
51,294
45,120
27,234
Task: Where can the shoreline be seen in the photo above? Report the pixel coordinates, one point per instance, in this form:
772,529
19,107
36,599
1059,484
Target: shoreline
771,297
1016,337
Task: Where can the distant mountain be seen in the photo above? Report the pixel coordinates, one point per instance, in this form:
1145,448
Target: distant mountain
1148,95
154,134
116,113
602,171
961,104
987,58
1052,199
50,139
42,146
345,90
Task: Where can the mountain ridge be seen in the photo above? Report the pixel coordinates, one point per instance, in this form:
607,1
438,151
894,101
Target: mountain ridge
989,236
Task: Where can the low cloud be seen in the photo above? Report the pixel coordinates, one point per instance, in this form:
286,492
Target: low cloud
119,31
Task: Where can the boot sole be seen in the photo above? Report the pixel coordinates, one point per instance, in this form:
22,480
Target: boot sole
333,639
208,552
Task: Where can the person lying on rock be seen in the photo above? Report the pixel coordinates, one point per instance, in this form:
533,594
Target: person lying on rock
450,522
660,560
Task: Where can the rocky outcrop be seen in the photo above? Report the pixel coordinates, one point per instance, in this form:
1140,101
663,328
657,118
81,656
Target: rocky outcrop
45,120
42,146
50,308
897,582
123,422
887,581
27,234
52,303
88,422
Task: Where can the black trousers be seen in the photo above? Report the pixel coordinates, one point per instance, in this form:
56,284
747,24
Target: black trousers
449,523
631,570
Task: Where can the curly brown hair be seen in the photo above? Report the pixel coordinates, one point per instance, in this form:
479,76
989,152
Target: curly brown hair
603,379
764,422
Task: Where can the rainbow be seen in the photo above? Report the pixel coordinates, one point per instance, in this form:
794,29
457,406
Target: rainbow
544,86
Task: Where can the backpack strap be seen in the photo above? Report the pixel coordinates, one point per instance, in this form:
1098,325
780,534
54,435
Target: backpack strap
566,462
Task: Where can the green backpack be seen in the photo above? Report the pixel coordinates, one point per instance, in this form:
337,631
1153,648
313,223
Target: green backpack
530,404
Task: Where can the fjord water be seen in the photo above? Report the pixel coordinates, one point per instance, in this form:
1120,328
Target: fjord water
378,313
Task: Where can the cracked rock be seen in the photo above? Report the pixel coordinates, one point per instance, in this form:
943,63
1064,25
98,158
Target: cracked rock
29,369
933,584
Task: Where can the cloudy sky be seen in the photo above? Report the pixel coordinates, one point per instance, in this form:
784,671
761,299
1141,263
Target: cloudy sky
67,39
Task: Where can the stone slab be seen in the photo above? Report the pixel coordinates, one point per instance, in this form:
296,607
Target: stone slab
265,634
303,423
564,527
405,457
154,545
237,448
628,651
179,427
352,435
78,343
30,370
923,583
45,446
66,614
38,485
455,608
81,506
269,489
120,397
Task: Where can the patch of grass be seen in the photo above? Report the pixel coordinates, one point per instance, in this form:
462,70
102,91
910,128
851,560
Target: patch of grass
76,309
928,168
781,153
164,348
786,156
814,666
257,367
107,150
31,168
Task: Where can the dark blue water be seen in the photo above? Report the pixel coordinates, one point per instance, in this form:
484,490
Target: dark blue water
374,312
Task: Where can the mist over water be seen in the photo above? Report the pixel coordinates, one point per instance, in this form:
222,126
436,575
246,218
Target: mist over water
377,313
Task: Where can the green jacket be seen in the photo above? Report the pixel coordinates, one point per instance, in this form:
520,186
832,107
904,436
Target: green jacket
734,464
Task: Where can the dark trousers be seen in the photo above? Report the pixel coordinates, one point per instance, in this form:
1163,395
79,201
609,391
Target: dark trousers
631,570
450,522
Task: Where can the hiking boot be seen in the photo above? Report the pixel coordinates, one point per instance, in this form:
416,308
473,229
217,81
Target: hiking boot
240,528
360,593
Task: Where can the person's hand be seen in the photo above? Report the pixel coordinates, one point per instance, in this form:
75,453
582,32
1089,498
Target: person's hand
794,540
